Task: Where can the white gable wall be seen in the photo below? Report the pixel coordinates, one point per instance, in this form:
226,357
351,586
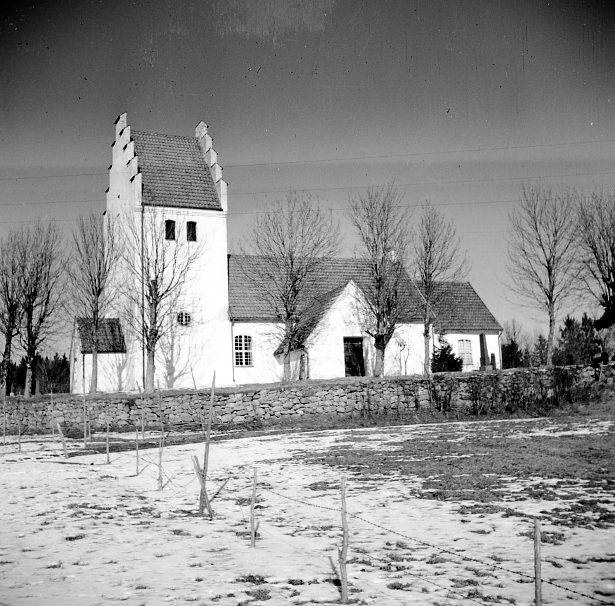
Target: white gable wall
265,367
111,372
493,347
325,346
404,354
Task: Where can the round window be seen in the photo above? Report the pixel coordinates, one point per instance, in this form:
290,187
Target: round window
184,318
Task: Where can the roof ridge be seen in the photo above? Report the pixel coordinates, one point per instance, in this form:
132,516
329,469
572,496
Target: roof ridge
175,136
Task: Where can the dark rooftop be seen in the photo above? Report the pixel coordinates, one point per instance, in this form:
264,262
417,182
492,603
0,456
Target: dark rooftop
175,172
110,336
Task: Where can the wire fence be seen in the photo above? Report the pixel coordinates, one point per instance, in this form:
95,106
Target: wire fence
180,488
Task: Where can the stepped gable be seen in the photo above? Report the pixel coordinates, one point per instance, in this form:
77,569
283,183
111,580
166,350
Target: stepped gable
110,336
175,172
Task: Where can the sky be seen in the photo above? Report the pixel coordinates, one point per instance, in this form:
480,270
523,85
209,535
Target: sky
460,103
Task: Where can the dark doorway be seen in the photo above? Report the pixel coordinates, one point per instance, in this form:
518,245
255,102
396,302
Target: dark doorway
353,357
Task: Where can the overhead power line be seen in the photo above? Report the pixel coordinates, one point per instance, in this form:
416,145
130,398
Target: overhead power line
354,158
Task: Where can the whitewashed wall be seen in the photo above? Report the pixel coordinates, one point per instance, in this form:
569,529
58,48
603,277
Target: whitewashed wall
325,345
493,347
405,352
265,368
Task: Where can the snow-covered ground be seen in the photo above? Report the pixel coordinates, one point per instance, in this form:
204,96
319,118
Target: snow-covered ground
79,531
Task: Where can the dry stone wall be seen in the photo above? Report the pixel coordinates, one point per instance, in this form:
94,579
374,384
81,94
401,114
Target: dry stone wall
510,391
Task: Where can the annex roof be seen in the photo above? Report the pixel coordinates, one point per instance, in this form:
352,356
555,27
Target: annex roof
175,173
247,303
110,336
458,307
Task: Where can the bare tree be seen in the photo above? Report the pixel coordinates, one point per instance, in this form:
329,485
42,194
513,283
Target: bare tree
41,262
10,308
294,236
596,231
542,252
158,269
436,257
95,257
382,224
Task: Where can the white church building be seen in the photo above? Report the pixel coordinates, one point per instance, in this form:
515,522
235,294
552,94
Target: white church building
170,187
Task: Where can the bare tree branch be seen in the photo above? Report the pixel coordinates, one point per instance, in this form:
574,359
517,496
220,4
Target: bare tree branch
39,253
95,257
158,271
382,224
436,257
542,252
293,237
10,308
596,231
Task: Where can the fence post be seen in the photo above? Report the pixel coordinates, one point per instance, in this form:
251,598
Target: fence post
107,444
85,420
62,436
537,566
137,445
252,504
343,551
52,413
4,419
204,502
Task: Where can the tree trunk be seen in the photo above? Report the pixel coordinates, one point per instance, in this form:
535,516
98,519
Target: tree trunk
150,370
94,377
380,344
4,366
27,390
287,363
549,355
426,361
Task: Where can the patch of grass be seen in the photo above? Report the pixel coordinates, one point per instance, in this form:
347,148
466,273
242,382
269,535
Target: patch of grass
481,531
399,585
459,582
437,559
481,466
260,594
546,537
255,579
180,532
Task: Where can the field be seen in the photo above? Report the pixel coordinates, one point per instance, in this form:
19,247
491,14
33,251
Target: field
438,514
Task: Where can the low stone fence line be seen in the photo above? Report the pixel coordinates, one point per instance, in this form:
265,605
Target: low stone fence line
505,391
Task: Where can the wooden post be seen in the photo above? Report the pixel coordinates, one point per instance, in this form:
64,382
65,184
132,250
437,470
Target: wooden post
161,441
252,504
343,552
203,498
62,437
4,419
52,413
85,424
137,446
18,431
108,459
142,413
537,564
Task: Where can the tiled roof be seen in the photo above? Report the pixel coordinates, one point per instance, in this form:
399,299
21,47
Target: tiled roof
458,306
110,336
246,300
175,173
460,309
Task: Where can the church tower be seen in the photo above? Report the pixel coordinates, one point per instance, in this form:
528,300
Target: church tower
168,202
